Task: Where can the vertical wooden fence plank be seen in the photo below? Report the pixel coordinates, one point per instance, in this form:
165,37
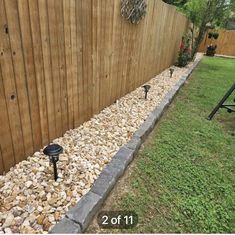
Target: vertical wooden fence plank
108,50
1,162
67,10
162,44
132,61
139,58
62,64
74,49
52,7
27,47
87,54
125,56
9,85
143,45
95,79
149,44
46,57
6,147
115,50
20,77
101,46
81,91
39,68
156,54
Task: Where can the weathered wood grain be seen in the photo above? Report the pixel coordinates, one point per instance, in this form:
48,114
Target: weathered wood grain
62,61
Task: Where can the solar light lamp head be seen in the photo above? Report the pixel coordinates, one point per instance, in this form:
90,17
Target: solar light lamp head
171,71
53,151
146,88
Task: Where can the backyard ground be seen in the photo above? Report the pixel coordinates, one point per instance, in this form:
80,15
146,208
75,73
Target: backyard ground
183,177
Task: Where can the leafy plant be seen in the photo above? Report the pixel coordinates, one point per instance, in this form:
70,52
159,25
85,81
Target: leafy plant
212,35
185,51
211,50
215,35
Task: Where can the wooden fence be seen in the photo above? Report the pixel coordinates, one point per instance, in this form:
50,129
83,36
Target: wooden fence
62,61
225,43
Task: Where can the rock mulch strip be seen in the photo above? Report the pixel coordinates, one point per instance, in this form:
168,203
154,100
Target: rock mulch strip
78,218
30,200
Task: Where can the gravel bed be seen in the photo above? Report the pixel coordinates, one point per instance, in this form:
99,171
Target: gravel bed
32,202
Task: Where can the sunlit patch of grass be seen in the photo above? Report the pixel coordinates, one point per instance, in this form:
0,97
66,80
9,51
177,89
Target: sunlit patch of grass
183,181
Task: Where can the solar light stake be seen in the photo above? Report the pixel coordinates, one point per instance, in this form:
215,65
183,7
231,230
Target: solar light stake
53,151
146,90
171,72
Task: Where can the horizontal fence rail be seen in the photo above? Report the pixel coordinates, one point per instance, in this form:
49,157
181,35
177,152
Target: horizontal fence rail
62,61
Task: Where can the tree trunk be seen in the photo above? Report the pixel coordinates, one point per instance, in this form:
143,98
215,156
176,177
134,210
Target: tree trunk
198,40
193,36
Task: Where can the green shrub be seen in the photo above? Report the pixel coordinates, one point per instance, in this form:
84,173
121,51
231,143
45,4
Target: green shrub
185,52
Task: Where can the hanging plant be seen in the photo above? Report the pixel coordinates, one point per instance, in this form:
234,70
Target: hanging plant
133,10
210,34
215,35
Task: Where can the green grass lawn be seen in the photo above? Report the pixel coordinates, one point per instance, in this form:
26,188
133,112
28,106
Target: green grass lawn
183,180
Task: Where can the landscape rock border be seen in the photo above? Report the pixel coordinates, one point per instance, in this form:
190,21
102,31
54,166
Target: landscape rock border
78,218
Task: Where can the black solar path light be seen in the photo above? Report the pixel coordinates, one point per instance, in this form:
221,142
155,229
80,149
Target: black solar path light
171,72
53,151
146,90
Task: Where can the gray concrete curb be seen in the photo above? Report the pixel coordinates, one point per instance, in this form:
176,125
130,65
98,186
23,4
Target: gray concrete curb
78,218
225,56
